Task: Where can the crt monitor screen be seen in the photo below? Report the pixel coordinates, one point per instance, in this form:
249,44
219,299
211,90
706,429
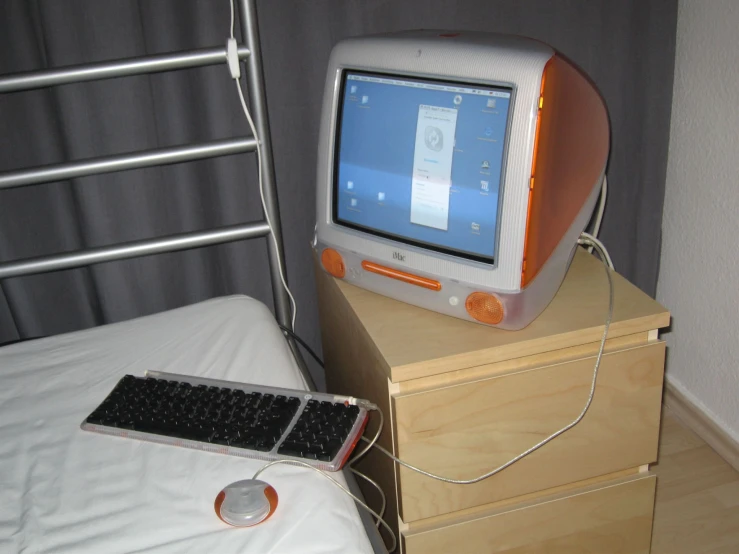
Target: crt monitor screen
421,161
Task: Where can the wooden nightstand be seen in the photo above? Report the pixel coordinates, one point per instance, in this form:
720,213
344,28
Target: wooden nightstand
460,399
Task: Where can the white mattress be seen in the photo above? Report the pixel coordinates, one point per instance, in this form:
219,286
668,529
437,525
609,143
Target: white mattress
66,490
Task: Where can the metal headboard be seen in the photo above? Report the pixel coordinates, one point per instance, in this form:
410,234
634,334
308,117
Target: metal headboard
250,55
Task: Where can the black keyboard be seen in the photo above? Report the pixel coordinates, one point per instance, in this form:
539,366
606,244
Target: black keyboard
232,418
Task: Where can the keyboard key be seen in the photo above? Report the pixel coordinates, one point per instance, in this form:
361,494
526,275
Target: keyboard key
245,419
333,446
301,445
95,418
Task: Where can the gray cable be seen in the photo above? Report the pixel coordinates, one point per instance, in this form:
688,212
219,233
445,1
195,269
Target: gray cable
335,482
379,490
603,255
356,458
374,407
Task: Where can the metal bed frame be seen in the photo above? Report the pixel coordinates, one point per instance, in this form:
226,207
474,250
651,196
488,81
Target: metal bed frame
250,55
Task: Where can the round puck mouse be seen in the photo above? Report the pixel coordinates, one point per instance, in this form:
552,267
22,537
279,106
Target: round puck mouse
246,503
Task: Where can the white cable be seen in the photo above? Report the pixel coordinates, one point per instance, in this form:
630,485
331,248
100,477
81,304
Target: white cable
379,490
604,257
601,208
356,458
586,239
278,252
233,18
335,482
590,241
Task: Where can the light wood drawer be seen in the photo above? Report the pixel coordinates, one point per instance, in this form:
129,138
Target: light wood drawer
465,430
611,518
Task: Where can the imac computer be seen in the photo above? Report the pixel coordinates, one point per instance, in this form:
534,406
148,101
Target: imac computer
456,170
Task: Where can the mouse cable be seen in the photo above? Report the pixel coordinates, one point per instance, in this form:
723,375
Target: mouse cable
342,487
357,457
234,67
379,490
584,240
356,472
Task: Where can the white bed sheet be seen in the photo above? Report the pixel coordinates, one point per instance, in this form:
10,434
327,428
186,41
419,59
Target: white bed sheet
65,490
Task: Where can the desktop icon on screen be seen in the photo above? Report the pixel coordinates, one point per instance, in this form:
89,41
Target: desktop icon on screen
353,202
475,227
353,89
491,103
484,186
350,185
457,99
380,196
485,164
365,99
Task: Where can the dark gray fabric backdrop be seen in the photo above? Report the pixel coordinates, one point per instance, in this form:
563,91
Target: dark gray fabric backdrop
627,47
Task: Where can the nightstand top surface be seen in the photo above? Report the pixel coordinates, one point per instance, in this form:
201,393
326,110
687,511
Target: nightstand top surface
418,343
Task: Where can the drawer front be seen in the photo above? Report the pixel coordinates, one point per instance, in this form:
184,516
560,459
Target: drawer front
466,430
614,518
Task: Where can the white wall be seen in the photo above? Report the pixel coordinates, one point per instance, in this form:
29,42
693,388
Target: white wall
699,274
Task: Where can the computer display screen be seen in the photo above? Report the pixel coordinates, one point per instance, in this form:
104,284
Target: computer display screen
421,161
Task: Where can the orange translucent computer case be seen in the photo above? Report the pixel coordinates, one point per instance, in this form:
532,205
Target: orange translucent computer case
456,170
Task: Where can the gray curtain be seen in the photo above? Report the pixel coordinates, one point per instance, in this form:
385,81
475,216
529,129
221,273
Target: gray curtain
627,47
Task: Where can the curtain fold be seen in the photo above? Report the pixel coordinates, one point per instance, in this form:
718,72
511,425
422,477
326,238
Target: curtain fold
626,47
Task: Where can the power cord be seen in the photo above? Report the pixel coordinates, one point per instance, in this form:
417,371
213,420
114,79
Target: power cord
590,241
235,70
599,215
586,239
601,208
234,66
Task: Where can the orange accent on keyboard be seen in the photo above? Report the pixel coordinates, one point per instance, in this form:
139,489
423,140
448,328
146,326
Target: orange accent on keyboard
355,441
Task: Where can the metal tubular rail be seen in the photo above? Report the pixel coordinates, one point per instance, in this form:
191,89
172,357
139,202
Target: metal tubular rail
133,249
258,98
250,55
275,246
122,162
116,68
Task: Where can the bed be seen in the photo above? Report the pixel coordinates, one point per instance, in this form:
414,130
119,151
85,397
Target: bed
66,490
